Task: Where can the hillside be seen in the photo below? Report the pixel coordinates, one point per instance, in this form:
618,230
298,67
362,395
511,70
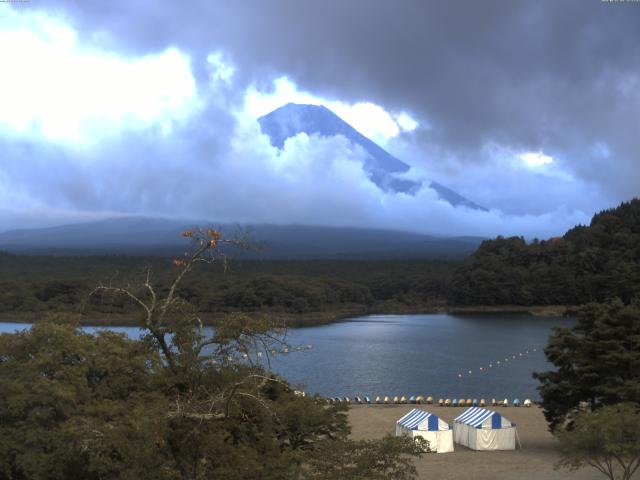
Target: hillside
588,263
157,236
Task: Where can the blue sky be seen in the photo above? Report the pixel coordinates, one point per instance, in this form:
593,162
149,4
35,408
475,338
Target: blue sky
149,108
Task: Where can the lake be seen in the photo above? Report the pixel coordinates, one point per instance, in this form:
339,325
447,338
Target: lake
414,355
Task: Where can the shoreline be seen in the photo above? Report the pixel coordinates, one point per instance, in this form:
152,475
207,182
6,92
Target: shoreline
308,319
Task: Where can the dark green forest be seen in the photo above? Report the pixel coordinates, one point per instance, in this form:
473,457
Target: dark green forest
33,285
589,263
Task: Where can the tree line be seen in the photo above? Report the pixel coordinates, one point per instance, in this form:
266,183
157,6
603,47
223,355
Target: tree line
587,264
41,284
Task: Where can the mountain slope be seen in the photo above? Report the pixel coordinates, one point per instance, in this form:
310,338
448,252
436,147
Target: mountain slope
155,236
382,167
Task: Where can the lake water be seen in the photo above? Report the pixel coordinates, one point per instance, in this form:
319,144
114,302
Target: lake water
415,355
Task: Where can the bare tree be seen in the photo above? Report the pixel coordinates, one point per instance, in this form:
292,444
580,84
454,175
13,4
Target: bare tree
190,350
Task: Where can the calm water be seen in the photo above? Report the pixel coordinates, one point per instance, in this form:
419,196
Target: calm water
414,355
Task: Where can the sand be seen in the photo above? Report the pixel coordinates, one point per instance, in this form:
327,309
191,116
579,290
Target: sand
536,459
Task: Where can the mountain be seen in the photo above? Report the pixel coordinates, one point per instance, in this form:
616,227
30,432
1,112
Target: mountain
382,167
157,236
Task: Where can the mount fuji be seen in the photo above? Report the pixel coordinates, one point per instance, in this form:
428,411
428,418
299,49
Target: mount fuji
382,167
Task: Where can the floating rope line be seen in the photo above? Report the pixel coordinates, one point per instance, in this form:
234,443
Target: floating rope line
291,349
498,363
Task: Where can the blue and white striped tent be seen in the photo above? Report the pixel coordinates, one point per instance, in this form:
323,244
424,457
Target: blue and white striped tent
482,429
419,423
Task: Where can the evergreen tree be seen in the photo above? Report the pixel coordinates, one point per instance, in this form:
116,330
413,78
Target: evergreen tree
597,361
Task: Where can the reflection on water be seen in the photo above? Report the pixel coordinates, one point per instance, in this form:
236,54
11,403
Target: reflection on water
414,355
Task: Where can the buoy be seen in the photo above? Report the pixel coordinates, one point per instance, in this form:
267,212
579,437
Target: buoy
403,399
505,403
469,402
244,355
460,403
490,365
470,371
286,350
475,402
386,399
309,347
378,400
481,368
482,402
441,402
494,402
447,403
527,402
516,402
459,375
367,400
357,399
412,399
347,399
454,402
419,399
430,400
396,400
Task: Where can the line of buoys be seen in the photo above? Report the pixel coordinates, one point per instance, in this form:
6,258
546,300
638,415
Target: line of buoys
399,400
286,350
512,357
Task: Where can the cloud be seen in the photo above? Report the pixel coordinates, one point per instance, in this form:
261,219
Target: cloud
313,180
369,119
535,76
62,90
135,108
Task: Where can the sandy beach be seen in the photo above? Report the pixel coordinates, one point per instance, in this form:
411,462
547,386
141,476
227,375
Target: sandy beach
536,459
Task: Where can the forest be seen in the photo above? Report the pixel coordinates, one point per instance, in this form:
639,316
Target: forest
33,285
589,263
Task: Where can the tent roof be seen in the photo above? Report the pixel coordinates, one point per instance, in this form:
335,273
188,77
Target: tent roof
416,416
475,416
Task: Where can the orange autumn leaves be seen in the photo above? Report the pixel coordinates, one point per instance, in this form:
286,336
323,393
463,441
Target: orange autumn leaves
210,236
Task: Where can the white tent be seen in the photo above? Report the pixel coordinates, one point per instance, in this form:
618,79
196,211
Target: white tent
481,429
418,423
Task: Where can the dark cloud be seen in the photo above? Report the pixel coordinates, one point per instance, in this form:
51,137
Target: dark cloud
480,77
557,76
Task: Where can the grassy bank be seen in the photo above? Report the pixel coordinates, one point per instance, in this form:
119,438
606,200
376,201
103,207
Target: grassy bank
307,319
